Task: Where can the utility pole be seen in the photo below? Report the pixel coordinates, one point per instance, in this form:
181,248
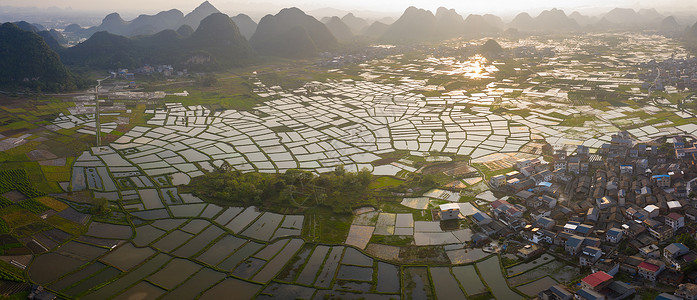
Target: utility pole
96,113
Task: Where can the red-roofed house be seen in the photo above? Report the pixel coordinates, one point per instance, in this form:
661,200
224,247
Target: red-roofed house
596,281
650,270
675,221
498,203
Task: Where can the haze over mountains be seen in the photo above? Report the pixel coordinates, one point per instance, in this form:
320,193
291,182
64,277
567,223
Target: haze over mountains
207,39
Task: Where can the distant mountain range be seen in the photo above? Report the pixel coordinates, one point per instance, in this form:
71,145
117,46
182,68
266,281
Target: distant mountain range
217,42
207,39
151,24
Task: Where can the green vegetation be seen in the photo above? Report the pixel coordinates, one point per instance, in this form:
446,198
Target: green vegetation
33,205
385,181
5,275
17,180
339,190
3,227
28,63
291,33
217,43
392,240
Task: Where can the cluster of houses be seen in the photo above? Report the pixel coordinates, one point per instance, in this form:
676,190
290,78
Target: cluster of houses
678,73
619,209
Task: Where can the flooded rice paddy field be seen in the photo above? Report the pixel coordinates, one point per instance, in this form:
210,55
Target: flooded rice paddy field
176,258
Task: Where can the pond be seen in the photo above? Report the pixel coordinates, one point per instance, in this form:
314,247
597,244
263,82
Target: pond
309,272
153,214
264,226
524,267
229,286
172,240
130,278
81,251
174,273
541,271
141,291
168,224
50,266
243,219
490,270
109,231
355,273
416,283
195,226
288,291
127,256
293,221
468,278
150,198
292,270
91,282
199,242
228,214
325,277
77,180
467,255
210,211
388,278
280,260
444,284
73,278
241,254
270,251
248,267
533,288
220,250
198,283
356,258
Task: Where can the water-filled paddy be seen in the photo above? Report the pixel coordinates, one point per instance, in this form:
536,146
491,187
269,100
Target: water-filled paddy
195,285
199,242
241,254
172,240
329,269
490,271
309,272
416,283
127,256
141,291
221,249
73,278
109,231
231,286
444,284
469,280
50,266
174,273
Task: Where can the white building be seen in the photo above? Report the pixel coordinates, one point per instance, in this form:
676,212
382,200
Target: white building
450,211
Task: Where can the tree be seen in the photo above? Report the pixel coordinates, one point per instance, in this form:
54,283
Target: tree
687,240
208,80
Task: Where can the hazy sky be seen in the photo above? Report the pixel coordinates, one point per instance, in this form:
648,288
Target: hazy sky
391,6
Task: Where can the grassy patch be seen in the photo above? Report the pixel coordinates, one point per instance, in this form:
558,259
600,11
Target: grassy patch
385,181
33,205
325,226
52,203
16,217
392,240
65,225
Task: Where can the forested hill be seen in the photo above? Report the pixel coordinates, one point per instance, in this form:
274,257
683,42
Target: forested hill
27,62
216,43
